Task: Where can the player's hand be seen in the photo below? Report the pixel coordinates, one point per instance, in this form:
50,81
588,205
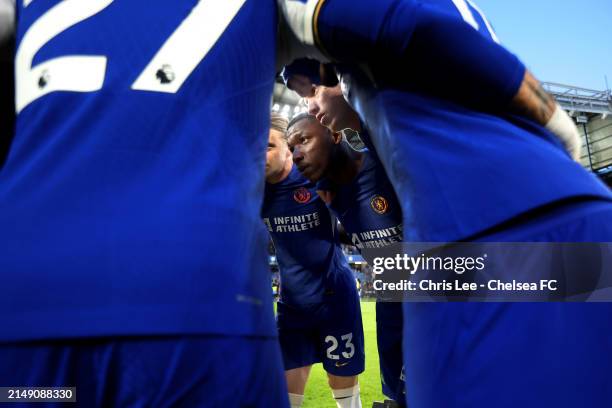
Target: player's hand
303,75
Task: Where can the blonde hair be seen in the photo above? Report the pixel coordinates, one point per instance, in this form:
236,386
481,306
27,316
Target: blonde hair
278,123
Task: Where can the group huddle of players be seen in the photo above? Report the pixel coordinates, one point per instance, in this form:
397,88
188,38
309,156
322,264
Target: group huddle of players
133,257
309,168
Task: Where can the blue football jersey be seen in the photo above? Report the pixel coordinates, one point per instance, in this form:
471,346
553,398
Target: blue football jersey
130,198
305,236
367,207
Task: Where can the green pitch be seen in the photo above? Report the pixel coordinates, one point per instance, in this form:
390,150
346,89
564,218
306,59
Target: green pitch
318,394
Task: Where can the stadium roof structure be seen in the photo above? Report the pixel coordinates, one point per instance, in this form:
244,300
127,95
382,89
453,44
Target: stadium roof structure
580,100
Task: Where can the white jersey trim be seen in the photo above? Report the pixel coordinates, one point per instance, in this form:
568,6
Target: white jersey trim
300,17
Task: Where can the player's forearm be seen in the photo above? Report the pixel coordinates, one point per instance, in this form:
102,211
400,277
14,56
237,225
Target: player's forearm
533,101
7,20
412,45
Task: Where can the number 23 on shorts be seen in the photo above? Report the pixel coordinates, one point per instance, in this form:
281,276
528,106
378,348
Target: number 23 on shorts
349,347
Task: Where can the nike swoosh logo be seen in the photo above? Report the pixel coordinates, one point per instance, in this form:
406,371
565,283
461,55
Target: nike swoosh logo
339,364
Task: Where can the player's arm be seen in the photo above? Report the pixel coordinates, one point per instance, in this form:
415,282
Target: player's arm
443,55
534,102
531,101
442,51
7,20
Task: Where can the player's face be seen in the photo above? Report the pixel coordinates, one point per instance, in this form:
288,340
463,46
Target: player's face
276,156
312,146
330,108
